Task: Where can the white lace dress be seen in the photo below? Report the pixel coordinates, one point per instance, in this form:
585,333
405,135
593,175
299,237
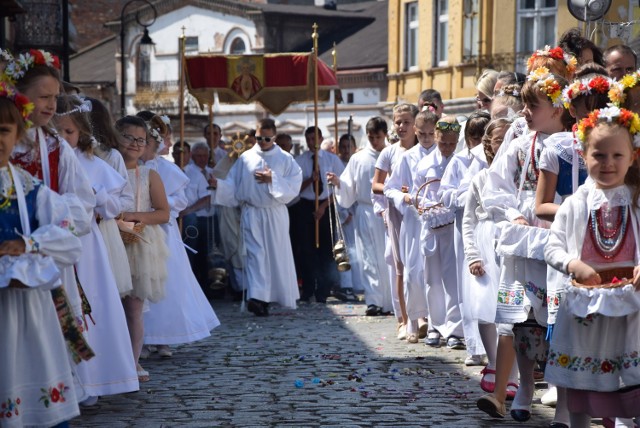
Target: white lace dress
148,260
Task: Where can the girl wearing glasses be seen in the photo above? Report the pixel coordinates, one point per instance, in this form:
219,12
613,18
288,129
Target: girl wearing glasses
147,256
184,315
112,370
484,89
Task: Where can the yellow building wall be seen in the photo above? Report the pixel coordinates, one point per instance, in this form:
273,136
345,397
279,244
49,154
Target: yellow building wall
497,45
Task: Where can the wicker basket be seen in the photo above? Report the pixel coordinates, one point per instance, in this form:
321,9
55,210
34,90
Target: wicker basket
624,275
130,232
436,215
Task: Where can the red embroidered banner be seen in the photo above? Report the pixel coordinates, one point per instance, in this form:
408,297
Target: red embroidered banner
273,80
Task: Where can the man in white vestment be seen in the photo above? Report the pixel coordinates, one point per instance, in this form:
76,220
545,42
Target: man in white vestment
261,182
354,185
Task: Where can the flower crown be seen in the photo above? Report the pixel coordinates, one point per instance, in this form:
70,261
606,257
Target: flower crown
85,106
25,107
5,55
611,114
17,67
509,93
570,61
599,84
617,93
547,83
155,133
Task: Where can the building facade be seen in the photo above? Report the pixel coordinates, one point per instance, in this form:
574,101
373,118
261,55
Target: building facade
445,44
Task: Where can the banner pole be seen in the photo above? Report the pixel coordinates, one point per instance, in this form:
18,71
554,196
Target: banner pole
181,101
316,166
334,54
181,97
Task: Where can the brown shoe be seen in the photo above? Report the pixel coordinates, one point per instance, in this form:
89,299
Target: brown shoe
491,406
412,338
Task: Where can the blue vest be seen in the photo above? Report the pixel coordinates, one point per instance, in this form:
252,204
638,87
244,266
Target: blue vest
10,217
565,180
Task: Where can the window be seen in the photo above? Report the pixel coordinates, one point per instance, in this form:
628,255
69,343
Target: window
191,44
442,33
238,46
411,36
536,21
349,97
471,35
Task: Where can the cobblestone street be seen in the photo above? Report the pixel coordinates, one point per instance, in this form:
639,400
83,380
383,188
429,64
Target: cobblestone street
318,366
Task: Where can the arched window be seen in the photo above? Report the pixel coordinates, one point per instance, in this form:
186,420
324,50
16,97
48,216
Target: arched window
237,46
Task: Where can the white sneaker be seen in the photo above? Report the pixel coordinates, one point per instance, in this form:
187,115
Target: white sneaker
550,398
474,360
91,401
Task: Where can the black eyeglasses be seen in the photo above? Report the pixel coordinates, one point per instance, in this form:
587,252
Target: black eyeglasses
448,126
140,142
266,139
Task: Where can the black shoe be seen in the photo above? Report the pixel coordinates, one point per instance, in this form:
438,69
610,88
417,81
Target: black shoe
373,310
341,294
558,425
520,415
258,307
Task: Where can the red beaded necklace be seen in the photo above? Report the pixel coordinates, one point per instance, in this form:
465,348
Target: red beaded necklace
535,163
609,240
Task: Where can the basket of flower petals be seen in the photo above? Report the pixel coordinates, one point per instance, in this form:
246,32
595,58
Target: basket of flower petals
437,215
610,278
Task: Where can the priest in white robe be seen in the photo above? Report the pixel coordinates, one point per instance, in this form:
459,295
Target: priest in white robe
261,182
354,185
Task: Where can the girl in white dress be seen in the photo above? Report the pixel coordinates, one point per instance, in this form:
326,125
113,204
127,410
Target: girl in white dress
105,146
185,315
509,196
453,194
36,383
403,121
478,235
147,256
46,156
595,347
112,370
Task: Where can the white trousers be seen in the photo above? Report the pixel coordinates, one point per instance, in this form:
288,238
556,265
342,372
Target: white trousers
442,284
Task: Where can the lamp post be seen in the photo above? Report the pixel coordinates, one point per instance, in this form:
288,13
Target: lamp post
145,43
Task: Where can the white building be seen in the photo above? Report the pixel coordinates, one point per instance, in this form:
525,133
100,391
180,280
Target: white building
233,27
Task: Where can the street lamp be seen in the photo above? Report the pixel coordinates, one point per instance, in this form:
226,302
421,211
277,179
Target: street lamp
146,44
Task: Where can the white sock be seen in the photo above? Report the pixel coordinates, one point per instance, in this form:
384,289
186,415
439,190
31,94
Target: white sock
580,420
412,327
562,411
524,396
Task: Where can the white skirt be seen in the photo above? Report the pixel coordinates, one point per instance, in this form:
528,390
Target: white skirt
117,255
185,314
481,294
148,263
113,369
36,384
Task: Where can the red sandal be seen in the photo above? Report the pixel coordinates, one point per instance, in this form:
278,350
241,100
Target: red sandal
485,384
511,393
